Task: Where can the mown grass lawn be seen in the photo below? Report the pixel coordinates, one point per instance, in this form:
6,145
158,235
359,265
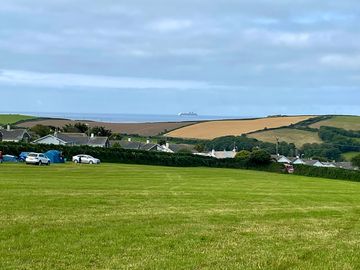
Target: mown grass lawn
143,217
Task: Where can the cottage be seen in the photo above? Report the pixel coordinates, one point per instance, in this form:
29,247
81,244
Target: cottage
14,135
72,139
281,159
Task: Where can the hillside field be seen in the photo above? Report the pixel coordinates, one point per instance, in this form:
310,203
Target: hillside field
13,118
349,155
146,217
345,122
143,129
298,137
214,129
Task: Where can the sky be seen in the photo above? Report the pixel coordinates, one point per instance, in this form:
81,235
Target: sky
218,57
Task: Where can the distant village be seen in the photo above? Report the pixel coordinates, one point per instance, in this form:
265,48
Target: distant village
7,134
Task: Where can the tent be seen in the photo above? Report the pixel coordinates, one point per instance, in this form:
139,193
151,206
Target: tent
23,156
9,158
55,156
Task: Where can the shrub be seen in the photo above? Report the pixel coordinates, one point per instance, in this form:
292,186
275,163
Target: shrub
243,155
260,157
355,161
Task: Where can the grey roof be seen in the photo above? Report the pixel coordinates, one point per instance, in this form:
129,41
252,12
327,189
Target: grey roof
81,139
345,165
13,134
136,145
178,147
310,162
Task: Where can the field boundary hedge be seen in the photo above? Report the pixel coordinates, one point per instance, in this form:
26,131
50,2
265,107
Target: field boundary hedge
119,155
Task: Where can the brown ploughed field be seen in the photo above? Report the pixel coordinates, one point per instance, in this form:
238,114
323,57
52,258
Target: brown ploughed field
143,129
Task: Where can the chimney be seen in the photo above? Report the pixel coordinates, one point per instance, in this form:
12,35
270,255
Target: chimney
129,139
147,141
92,135
8,128
167,145
213,152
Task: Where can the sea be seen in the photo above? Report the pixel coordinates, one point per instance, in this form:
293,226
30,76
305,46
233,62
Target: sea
132,118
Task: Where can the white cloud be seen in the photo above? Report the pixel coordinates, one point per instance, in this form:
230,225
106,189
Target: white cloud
341,61
170,25
26,78
279,38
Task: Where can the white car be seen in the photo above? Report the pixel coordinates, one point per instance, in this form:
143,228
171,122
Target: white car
37,159
85,159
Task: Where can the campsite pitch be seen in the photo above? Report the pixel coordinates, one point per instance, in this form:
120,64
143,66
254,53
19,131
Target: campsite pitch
147,217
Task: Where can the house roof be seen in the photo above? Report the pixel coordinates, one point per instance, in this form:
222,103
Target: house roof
13,134
224,154
77,139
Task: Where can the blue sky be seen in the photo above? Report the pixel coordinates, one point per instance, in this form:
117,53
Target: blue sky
219,57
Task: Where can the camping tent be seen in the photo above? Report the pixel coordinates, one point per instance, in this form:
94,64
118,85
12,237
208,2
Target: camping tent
23,156
55,156
9,158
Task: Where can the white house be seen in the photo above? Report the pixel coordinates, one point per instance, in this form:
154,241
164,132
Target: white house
72,139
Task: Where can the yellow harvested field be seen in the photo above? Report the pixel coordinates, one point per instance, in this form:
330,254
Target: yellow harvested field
214,129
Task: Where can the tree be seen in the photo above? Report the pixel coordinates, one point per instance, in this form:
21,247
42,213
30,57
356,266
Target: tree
81,127
101,131
355,161
42,130
243,155
260,157
200,147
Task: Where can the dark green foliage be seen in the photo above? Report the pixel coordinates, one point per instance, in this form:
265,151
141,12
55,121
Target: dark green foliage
259,157
327,151
42,130
69,128
101,131
332,173
243,155
355,161
81,127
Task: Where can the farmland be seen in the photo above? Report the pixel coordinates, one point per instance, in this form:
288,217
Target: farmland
143,129
349,155
13,118
345,122
298,137
214,129
143,217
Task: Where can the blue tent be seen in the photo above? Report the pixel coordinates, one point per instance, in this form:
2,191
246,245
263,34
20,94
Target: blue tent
23,156
55,156
9,158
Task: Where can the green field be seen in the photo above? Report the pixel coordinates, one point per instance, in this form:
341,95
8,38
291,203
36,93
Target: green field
349,155
296,136
143,217
13,118
345,122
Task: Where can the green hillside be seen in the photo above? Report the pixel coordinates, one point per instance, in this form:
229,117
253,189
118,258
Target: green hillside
298,137
345,122
348,156
147,217
13,118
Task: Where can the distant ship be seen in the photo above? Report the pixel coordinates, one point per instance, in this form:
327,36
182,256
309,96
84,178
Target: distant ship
187,114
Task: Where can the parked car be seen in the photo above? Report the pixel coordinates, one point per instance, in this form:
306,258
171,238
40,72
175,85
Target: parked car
37,159
85,159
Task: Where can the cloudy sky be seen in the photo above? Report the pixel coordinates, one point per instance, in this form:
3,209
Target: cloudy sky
218,57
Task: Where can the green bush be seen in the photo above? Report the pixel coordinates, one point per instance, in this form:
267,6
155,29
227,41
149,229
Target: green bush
259,157
355,161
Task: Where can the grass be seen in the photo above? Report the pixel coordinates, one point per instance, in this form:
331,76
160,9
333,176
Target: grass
349,155
298,137
345,122
13,118
143,217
